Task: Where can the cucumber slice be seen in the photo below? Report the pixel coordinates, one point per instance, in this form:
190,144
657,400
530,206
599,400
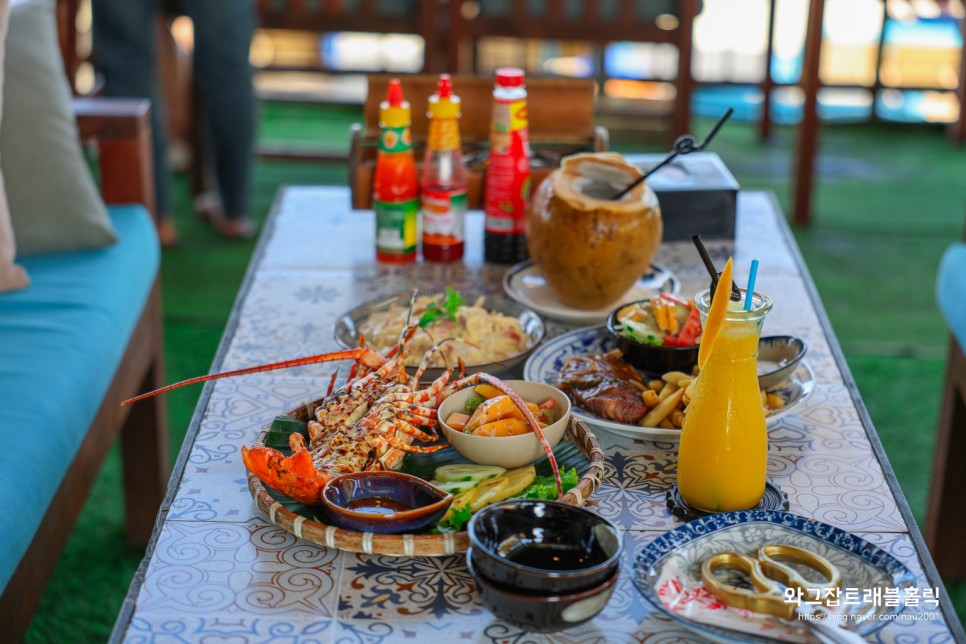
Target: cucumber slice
465,472
454,487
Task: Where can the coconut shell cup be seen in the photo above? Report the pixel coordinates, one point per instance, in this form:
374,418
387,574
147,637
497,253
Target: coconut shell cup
591,249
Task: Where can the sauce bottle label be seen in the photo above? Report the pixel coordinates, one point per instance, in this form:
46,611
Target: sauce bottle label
508,173
396,227
443,215
507,192
395,139
509,116
519,118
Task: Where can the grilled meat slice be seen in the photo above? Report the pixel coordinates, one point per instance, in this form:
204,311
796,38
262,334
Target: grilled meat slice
604,385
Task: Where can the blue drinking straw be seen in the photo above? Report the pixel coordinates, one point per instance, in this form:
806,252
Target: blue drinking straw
749,294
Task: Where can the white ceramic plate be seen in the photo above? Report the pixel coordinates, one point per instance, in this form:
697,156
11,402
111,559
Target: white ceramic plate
545,364
670,565
527,285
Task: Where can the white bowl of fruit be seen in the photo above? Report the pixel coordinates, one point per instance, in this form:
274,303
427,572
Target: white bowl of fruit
487,428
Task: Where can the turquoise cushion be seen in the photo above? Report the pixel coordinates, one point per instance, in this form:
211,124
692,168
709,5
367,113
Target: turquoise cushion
61,341
951,291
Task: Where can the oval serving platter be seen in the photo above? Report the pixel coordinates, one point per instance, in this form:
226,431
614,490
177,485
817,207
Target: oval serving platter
347,327
671,564
579,449
546,363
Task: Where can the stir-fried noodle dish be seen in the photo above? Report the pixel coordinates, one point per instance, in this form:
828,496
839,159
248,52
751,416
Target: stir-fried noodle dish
483,336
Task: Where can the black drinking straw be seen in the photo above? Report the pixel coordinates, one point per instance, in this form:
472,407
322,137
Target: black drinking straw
712,271
683,145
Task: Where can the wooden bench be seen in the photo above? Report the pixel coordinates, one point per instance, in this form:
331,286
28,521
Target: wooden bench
121,131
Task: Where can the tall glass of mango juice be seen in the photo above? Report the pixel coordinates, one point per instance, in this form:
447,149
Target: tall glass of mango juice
724,442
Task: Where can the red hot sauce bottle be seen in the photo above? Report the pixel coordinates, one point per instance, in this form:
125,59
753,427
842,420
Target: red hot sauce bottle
507,190
394,184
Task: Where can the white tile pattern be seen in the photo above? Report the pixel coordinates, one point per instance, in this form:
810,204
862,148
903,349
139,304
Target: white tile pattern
221,572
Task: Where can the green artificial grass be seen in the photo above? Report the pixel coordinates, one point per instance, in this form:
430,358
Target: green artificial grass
889,200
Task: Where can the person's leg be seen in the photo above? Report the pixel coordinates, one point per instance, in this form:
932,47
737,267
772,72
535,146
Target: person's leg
223,32
125,53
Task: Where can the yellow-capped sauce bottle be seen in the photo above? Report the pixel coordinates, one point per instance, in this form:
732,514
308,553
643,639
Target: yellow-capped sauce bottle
442,187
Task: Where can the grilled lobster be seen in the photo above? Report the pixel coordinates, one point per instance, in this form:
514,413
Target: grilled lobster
368,424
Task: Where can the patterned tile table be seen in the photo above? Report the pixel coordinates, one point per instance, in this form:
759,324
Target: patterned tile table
218,571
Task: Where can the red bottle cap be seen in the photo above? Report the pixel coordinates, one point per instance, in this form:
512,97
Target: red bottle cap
394,95
509,77
444,87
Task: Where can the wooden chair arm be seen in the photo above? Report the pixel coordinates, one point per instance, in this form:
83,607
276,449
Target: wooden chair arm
121,130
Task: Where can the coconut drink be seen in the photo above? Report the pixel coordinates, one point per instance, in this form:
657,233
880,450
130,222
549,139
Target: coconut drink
590,247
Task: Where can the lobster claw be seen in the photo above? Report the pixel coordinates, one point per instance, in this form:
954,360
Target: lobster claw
294,476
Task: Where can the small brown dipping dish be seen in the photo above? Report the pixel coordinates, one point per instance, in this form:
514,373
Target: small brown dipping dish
383,502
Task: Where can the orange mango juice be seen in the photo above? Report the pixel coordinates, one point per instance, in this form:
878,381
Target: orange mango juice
724,442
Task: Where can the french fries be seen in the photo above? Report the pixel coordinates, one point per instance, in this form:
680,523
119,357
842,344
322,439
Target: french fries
664,408
667,400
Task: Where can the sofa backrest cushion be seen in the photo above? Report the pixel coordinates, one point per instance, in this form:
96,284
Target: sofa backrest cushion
54,203
12,276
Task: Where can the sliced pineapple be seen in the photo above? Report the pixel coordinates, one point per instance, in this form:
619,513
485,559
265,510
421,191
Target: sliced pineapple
518,480
488,492
459,501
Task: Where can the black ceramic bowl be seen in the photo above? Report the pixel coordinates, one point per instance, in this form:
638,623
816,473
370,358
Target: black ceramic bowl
655,360
383,502
533,546
541,613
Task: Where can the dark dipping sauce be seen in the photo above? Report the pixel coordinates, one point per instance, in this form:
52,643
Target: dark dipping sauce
557,556
378,505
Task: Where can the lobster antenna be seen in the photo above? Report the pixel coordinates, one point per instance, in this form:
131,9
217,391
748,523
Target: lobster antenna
439,347
424,363
332,381
412,305
406,327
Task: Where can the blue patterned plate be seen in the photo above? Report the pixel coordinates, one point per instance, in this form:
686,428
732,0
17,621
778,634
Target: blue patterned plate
670,565
546,362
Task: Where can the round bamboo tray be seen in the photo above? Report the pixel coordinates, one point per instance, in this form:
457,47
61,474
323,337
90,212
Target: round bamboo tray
413,545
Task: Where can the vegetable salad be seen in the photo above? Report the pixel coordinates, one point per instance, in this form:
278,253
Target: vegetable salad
666,320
